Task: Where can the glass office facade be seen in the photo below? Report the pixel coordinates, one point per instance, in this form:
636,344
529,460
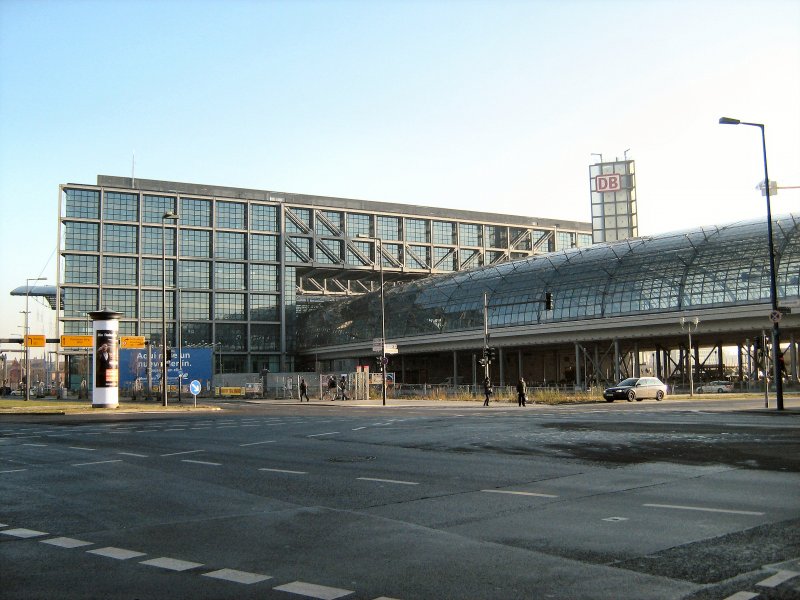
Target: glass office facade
703,268
245,260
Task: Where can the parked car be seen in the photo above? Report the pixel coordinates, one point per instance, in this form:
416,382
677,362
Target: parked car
718,387
17,392
636,388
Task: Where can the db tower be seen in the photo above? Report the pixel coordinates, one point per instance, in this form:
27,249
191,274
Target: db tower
613,192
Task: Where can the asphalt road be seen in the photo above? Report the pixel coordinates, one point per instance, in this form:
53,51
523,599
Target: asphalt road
695,500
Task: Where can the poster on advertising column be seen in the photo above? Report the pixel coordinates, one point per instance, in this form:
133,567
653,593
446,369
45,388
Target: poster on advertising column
106,362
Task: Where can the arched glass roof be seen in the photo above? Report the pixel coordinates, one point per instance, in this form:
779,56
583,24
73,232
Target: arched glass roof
699,268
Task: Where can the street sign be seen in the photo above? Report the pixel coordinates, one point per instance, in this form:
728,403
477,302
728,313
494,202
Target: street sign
77,341
775,316
35,341
785,310
195,387
131,341
391,349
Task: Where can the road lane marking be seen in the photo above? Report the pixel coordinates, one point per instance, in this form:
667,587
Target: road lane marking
66,542
257,443
285,471
23,533
237,576
173,564
201,462
133,454
185,452
777,579
520,493
117,553
742,596
700,508
388,481
82,448
37,445
359,428
312,590
320,434
13,471
99,462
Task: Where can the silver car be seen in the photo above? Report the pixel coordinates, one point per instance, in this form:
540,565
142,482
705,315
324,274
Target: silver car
636,388
718,387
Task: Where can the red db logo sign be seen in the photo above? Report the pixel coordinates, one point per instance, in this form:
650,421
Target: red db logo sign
608,183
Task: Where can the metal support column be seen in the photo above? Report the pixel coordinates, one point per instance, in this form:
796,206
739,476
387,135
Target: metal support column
501,360
616,360
578,382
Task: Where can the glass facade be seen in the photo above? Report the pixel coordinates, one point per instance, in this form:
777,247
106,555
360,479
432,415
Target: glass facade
716,267
245,262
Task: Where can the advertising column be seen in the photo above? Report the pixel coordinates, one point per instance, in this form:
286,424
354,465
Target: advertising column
105,327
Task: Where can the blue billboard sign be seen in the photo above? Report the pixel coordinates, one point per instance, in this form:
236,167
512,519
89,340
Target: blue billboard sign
195,363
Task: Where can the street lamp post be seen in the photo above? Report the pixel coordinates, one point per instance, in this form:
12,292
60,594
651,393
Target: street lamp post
688,324
379,248
167,215
27,349
773,285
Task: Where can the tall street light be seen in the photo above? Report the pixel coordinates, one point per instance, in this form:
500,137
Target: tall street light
689,324
773,286
379,248
173,216
27,349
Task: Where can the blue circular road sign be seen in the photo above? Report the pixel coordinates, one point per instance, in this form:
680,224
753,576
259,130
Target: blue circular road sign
195,387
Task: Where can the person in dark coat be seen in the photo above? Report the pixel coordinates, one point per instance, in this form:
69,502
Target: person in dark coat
304,390
522,390
487,390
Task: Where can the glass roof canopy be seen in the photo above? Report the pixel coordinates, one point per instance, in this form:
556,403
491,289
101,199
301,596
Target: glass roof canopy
717,266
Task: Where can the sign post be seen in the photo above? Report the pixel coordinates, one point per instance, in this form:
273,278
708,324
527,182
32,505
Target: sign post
194,389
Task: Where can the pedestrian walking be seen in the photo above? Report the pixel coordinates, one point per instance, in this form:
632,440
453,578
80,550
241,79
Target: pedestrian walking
487,390
304,390
332,388
343,388
522,391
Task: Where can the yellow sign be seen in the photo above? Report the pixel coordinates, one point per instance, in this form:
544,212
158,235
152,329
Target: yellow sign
34,341
230,391
131,341
76,341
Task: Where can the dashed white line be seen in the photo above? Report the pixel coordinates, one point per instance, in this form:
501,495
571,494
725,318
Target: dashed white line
37,445
359,428
22,533
321,434
285,471
13,470
742,596
97,462
66,542
257,443
777,579
185,452
172,564
237,576
520,493
133,454
117,553
388,481
312,590
201,462
700,508
82,448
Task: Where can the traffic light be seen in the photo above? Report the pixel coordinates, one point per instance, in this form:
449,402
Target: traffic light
491,354
548,301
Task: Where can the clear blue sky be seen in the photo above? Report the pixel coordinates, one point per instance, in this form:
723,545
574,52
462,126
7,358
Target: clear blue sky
484,105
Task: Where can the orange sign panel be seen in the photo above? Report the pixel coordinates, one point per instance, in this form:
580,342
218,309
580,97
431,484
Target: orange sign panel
34,341
76,341
131,341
